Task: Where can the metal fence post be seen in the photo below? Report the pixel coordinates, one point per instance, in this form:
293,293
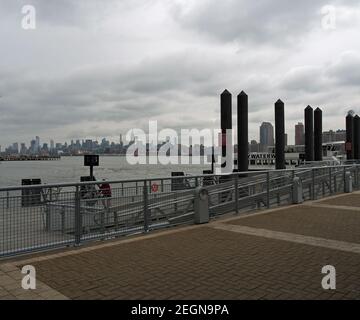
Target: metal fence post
146,207
78,221
268,190
47,211
236,185
313,184
344,178
330,182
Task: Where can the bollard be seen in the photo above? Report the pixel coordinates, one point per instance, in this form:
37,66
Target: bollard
201,206
348,182
279,135
297,191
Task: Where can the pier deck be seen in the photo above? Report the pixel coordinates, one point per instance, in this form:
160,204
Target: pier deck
275,254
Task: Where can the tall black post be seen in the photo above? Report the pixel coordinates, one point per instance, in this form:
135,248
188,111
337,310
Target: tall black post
226,120
349,147
243,133
309,134
92,173
318,153
357,137
280,135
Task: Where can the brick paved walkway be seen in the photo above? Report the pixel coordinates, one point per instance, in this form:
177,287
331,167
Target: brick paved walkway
277,254
352,200
319,220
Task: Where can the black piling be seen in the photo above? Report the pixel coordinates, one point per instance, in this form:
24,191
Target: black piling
357,137
280,135
318,153
349,136
226,119
309,134
243,133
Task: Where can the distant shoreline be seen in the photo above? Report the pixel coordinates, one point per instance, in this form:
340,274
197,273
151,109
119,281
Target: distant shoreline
29,158
101,155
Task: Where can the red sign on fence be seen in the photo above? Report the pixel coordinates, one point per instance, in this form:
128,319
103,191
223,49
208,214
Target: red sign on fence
154,187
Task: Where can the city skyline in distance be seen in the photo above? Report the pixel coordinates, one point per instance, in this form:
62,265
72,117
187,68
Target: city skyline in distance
104,79
265,139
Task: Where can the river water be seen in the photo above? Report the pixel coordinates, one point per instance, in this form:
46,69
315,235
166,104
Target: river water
70,169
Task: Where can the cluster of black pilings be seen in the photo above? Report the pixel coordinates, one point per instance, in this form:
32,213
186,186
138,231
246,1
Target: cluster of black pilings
242,130
313,132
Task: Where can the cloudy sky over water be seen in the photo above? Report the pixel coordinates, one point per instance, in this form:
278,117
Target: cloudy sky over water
94,69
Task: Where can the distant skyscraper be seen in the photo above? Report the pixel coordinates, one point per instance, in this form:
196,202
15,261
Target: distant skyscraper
52,145
15,147
299,134
37,144
23,149
266,135
33,146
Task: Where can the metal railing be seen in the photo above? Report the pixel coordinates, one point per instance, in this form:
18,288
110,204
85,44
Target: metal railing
46,216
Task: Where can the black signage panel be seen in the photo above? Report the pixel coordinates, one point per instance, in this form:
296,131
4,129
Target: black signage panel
91,160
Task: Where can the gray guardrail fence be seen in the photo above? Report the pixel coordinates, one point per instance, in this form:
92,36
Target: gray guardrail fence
40,217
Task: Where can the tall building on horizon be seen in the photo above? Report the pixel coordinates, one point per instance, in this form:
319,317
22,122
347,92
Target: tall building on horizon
266,136
33,147
37,144
299,134
15,147
52,145
23,149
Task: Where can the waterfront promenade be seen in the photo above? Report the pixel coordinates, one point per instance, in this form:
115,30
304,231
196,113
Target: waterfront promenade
274,254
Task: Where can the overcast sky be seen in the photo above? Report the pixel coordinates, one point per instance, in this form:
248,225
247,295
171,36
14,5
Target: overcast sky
94,69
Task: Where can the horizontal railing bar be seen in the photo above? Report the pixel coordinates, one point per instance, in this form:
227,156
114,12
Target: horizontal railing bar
79,184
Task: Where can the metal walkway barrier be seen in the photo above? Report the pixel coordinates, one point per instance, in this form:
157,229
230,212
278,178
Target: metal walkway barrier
71,214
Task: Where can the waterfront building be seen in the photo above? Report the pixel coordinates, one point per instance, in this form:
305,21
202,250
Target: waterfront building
299,134
266,135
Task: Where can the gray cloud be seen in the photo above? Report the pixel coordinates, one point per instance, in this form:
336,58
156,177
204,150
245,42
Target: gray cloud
265,22
346,70
95,69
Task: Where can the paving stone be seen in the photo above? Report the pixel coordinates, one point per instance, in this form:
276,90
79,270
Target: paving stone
333,224
207,263
261,269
